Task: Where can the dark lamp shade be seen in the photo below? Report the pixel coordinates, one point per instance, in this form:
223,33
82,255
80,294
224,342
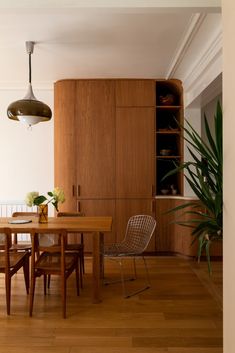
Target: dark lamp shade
29,111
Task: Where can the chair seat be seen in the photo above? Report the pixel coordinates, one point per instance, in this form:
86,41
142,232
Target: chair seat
119,250
52,262
75,247
14,257
22,247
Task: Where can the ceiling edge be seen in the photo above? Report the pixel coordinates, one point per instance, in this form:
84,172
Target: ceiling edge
194,24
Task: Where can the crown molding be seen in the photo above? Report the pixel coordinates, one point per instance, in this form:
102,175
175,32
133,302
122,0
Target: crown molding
205,70
193,27
208,5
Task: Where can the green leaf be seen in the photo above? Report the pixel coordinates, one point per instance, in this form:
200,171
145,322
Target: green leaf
39,200
204,173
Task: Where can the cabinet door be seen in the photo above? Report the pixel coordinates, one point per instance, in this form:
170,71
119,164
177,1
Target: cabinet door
165,236
130,207
98,208
135,93
135,152
95,127
65,141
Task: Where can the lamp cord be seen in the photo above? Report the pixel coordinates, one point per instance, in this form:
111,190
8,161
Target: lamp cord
30,75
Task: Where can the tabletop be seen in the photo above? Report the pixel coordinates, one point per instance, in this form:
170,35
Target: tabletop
70,224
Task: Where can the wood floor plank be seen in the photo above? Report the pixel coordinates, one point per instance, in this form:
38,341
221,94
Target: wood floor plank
178,314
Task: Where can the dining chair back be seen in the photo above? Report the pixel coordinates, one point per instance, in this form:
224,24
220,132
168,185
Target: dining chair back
52,260
15,244
139,231
11,262
74,245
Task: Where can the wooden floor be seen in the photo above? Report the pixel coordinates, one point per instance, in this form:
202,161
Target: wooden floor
180,313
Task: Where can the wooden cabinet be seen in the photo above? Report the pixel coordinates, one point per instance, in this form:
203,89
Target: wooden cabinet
173,238
135,93
95,138
109,137
98,208
65,168
169,147
135,152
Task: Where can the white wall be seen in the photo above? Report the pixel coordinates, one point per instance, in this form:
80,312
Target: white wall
26,157
209,110
193,116
228,12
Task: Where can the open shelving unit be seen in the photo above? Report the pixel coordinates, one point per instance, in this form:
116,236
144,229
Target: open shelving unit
169,143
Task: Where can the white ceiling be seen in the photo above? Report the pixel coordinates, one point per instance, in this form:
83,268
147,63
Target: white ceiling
77,42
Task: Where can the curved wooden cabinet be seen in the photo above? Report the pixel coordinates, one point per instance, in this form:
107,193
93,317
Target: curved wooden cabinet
107,134
172,237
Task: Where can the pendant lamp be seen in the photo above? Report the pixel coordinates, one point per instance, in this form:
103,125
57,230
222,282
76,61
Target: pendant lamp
29,110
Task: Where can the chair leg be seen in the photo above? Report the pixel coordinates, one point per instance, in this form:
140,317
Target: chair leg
83,262
45,283
49,281
78,273
31,294
8,292
63,295
26,273
81,269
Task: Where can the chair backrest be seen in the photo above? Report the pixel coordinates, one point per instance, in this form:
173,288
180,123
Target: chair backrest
72,237
25,213
139,231
70,214
5,239
44,239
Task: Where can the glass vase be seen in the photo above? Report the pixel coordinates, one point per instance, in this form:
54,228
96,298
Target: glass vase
42,213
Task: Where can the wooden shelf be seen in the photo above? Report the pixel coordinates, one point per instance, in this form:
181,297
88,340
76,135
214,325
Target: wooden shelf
168,132
168,107
169,118
168,157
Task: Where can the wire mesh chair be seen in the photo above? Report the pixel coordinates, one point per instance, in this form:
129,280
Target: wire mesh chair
139,231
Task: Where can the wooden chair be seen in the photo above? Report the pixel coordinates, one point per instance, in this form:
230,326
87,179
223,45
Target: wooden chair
11,262
52,260
15,244
79,247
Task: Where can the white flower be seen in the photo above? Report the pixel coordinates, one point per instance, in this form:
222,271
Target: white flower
29,200
58,195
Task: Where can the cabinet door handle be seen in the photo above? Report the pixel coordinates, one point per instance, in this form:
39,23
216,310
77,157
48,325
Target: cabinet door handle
78,190
79,206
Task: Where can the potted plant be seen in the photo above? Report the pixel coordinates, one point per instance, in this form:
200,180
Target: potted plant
204,174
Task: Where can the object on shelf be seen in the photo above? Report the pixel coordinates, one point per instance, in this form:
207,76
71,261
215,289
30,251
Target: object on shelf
173,190
165,191
165,152
168,99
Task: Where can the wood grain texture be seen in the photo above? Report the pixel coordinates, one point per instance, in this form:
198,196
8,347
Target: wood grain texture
126,208
173,237
99,208
95,133
176,315
135,152
65,141
135,93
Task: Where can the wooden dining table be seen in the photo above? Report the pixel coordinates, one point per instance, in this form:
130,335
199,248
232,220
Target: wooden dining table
97,226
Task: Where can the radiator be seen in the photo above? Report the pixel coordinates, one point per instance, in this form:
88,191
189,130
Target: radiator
8,207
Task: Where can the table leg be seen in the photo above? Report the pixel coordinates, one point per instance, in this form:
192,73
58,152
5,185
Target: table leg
96,293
